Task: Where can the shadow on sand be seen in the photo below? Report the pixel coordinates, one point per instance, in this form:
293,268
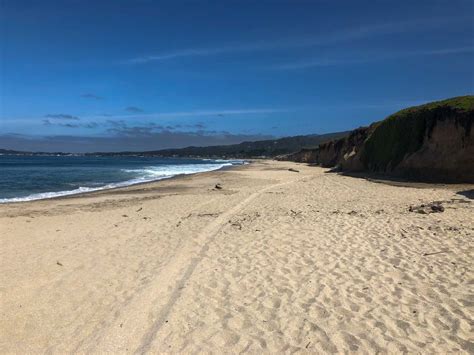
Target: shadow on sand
399,181
467,193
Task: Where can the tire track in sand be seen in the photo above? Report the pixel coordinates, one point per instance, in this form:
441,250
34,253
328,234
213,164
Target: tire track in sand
88,343
208,234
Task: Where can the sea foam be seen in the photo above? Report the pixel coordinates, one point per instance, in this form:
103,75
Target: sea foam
142,175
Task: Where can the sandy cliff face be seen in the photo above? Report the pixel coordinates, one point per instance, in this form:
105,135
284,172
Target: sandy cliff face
350,157
344,153
447,154
308,156
433,142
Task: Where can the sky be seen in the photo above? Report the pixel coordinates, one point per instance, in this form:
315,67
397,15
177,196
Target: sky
115,75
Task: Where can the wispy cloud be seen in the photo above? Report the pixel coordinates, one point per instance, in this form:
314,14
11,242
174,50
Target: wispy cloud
446,51
199,126
91,125
92,96
182,53
61,116
134,109
100,118
348,34
71,125
324,62
124,129
198,113
121,123
140,140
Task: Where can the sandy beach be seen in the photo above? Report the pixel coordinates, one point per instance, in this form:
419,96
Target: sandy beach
274,261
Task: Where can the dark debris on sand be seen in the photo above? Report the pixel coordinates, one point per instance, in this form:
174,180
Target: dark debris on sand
434,207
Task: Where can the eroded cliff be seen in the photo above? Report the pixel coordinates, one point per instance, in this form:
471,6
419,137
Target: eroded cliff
432,142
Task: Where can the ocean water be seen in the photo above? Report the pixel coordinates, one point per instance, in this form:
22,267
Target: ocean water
26,178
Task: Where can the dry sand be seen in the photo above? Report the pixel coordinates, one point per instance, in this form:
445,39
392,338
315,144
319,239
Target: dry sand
276,261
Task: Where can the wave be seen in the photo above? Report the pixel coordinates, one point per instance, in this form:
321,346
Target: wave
232,161
142,175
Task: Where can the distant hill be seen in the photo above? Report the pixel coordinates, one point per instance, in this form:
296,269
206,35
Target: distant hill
20,152
8,151
264,148
431,142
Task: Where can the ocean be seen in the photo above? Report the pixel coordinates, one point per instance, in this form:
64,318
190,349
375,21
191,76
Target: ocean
26,178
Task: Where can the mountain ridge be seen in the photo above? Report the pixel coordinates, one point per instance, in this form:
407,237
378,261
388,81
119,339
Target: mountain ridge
248,149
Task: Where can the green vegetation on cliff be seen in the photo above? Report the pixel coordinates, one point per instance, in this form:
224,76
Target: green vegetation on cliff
403,133
432,142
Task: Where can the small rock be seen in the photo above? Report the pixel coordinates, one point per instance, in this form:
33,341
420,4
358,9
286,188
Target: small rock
437,208
293,170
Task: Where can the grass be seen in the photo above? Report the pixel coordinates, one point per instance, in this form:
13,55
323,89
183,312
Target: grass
403,132
463,103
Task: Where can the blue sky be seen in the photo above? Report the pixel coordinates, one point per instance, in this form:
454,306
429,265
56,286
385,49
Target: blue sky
174,73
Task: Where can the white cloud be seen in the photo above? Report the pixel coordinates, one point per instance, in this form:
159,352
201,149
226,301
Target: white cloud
324,62
198,113
348,34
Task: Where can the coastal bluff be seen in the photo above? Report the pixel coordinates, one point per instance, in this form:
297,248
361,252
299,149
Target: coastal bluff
432,142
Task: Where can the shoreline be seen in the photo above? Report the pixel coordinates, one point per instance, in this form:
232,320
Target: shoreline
275,261
105,188
367,177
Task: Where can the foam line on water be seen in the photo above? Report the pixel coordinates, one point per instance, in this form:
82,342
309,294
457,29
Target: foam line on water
146,174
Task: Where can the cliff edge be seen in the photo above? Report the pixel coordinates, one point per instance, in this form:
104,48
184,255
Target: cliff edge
432,142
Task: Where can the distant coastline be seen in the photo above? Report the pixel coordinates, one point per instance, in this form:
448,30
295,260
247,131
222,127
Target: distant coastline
256,149
432,142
